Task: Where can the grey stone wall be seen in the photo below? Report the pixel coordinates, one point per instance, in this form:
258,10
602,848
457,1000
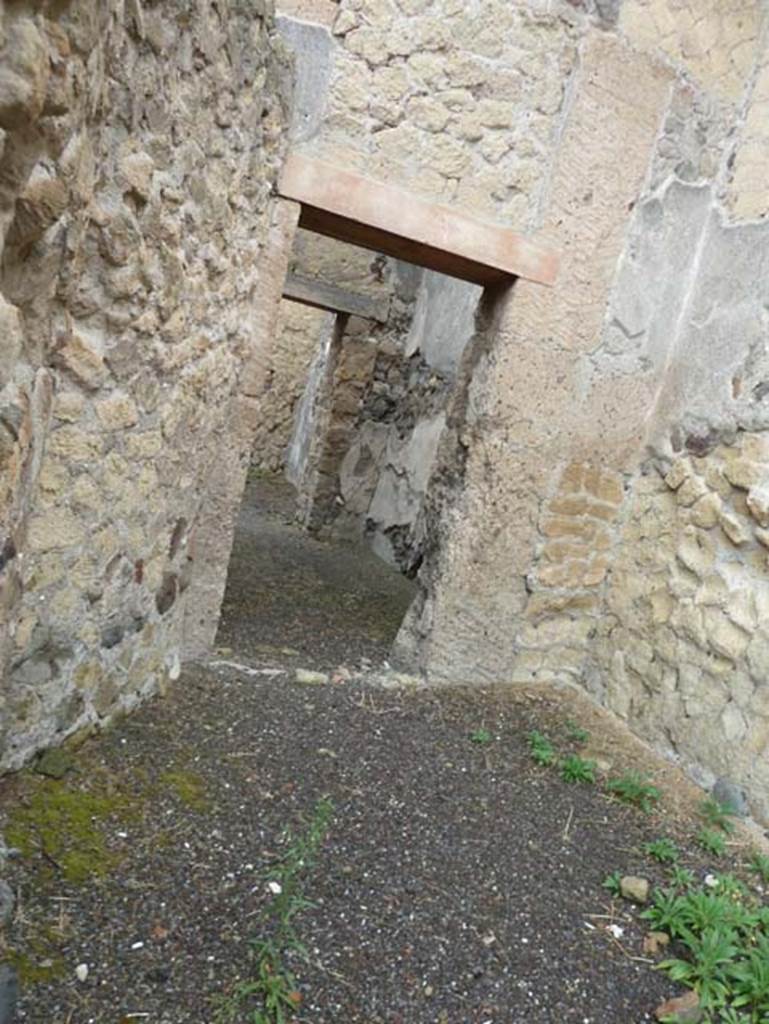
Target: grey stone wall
140,143
385,475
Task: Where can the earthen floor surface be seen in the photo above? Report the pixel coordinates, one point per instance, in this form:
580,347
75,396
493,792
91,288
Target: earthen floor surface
458,883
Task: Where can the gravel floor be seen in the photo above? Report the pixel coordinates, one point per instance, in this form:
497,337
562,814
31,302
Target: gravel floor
458,882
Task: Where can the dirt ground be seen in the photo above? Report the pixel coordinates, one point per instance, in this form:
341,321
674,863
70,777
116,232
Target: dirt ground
458,882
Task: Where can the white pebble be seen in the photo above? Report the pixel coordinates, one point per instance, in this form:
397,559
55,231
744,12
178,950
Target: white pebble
81,971
138,945
275,888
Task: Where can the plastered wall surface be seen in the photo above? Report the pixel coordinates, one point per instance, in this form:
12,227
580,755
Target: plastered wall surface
385,475
139,147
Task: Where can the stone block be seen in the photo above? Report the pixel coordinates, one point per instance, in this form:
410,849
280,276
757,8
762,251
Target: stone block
735,528
604,485
56,528
706,512
758,504
78,356
696,553
69,406
117,412
680,471
75,444
24,70
691,491
724,636
743,473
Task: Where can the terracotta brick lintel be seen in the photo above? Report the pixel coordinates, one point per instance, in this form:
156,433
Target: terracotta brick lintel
355,209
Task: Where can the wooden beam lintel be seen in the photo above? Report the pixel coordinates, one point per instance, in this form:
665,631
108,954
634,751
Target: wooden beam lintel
393,221
321,295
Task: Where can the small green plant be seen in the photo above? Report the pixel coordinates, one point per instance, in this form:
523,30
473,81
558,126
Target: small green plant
750,978
482,737
667,912
663,850
701,910
634,789
707,971
613,882
576,769
721,933
542,750
576,733
759,865
711,841
681,878
273,988
729,1015
717,814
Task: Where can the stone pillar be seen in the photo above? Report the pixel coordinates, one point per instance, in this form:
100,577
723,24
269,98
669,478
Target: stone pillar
212,534
532,408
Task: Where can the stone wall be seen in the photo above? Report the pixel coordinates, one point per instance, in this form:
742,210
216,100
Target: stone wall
385,475
298,338
582,401
300,333
140,143
457,100
682,651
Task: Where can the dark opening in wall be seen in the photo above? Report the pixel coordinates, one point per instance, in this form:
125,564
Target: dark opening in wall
354,414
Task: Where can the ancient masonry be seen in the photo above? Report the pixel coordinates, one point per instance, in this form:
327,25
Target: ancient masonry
577,474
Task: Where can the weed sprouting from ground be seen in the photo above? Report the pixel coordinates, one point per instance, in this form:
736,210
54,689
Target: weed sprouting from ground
273,987
481,737
711,841
719,932
613,882
759,865
717,814
722,934
635,789
576,733
663,850
681,878
577,769
542,750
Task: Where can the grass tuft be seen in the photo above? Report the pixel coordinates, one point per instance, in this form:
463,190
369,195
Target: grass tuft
636,790
576,769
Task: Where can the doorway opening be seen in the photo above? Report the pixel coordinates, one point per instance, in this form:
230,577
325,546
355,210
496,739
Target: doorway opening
335,518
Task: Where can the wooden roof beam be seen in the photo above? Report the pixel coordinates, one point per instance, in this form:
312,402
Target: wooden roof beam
345,205
311,292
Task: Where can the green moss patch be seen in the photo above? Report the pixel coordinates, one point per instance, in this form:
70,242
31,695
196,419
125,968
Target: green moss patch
34,970
64,826
189,787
